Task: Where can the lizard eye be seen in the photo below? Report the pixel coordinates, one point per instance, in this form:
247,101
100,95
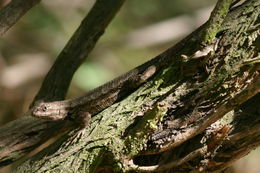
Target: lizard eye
44,108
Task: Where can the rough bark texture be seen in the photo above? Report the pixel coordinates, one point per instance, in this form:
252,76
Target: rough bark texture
13,11
188,118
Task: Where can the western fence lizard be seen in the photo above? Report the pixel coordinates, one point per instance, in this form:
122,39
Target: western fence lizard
81,109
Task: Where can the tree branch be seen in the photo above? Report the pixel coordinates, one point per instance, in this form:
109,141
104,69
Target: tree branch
22,136
13,11
57,81
215,21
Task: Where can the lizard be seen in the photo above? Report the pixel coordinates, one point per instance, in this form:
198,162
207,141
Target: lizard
82,108
95,100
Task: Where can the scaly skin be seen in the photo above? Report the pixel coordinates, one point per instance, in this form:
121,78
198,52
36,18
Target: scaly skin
99,98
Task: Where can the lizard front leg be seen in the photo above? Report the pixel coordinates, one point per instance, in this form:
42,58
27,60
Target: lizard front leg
82,120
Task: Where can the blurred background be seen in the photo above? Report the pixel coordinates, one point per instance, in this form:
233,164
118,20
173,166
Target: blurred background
139,32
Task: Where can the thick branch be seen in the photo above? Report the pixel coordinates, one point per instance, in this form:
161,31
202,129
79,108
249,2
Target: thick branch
13,11
197,101
22,136
57,81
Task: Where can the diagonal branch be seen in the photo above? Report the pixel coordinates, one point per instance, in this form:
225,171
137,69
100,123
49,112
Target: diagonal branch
57,81
13,11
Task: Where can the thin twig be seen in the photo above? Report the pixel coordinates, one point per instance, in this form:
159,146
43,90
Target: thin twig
131,166
243,134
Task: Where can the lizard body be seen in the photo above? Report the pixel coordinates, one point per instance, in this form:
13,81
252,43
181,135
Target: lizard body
97,99
81,109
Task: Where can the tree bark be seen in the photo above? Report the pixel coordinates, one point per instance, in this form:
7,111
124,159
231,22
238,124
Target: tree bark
13,11
185,119
199,113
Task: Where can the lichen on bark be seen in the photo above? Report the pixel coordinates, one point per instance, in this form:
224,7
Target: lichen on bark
168,116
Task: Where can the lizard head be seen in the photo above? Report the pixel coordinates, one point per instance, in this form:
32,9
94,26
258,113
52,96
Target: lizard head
49,111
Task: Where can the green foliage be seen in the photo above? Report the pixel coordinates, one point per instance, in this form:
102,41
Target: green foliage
90,75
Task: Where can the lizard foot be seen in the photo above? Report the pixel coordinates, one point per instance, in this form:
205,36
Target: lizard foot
75,137
82,119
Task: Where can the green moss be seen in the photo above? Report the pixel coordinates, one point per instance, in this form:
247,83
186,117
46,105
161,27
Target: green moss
136,138
216,19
